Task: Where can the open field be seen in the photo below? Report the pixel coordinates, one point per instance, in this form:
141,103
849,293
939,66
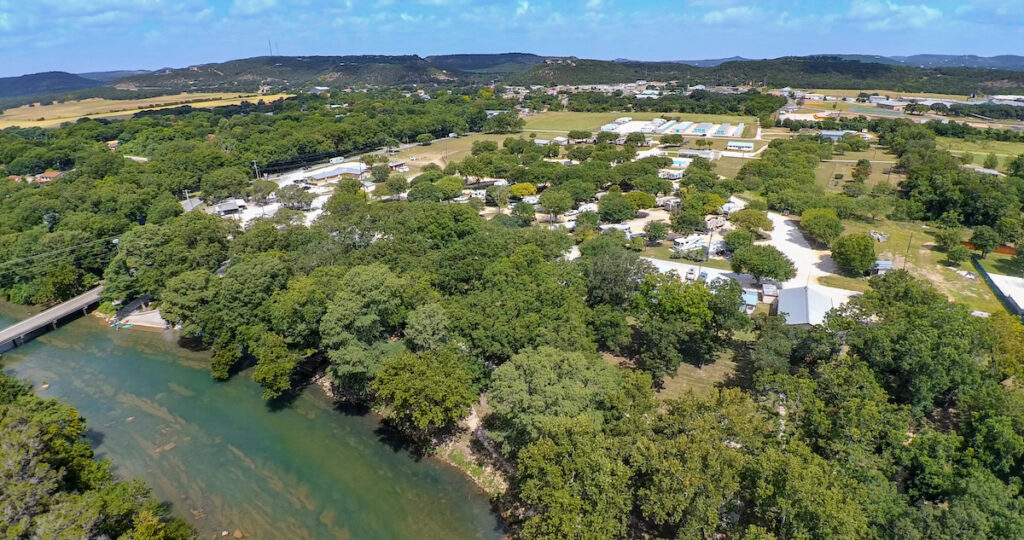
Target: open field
924,261
997,263
825,175
1004,150
443,151
69,111
564,121
701,381
729,166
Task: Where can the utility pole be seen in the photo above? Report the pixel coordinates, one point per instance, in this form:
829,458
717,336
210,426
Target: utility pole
907,256
256,168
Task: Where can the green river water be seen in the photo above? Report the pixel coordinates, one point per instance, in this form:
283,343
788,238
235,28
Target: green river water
225,461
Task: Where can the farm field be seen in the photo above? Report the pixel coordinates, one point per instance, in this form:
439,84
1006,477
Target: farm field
923,261
564,121
58,113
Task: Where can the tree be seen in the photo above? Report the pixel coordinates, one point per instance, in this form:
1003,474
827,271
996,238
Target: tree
958,254
752,220
656,232
862,170
574,484
523,189
295,198
274,363
991,161
429,391
636,138
498,195
483,147
735,240
397,184
427,327
380,173
506,122
985,239
556,202
854,253
524,212
686,222
762,262
424,139
579,135
822,224
224,182
615,208
536,388
640,200
261,190
673,139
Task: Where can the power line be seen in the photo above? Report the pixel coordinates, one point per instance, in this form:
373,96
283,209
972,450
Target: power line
56,251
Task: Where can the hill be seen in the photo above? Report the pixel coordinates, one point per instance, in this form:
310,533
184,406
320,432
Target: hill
278,72
50,82
486,63
802,71
107,76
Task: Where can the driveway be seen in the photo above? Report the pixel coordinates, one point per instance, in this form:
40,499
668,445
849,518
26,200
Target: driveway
810,263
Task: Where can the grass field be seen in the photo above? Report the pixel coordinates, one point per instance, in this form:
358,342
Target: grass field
565,121
890,93
729,166
443,151
716,144
1006,151
924,261
826,171
69,111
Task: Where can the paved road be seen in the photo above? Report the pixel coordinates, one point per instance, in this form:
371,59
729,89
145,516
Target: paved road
53,314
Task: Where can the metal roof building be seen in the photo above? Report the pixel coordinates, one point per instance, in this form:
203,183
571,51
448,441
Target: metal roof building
804,305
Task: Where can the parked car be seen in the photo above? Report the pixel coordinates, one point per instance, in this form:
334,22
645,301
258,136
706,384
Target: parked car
703,276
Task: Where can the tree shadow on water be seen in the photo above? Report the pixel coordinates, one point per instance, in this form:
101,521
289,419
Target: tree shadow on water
390,434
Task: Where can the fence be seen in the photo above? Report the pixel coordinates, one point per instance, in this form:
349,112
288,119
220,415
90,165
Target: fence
1007,302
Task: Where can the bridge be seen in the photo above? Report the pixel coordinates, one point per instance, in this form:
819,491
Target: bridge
19,333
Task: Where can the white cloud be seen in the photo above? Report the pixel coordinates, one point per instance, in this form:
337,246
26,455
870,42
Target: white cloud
739,14
882,16
251,7
522,8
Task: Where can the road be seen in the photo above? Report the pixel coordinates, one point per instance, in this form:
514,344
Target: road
31,324
810,263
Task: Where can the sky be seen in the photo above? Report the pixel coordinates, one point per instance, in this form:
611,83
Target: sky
97,35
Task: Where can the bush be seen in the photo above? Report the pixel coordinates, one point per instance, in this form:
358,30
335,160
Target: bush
640,200
958,254
855,253
822,224
738,239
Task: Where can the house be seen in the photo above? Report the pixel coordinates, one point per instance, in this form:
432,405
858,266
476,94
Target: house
112,145
749,302
882,267
561,141
191,204
804,305
14,178
835,135
227,207
740,146
48,176
730,207
541,142
669,174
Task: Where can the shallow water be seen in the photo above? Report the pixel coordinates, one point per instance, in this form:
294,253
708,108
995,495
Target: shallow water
226,461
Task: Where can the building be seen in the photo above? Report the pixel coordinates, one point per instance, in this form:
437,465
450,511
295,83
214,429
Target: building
190,204
669,174
804,305
730,207
990,172
749,302
48,176
769,293
350,169
834,134
891,105
724,130
740,146
702,128
317,90
227,207
541,142
882,267
561,141
677,128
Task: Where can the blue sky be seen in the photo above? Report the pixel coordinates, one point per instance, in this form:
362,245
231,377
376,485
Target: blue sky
94,35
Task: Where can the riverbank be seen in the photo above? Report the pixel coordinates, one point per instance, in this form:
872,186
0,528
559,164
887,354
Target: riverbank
470,451
226,460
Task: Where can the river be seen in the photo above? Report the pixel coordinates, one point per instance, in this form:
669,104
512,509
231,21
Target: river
223,460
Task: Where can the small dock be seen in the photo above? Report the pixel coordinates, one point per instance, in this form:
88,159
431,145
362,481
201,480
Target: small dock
19,333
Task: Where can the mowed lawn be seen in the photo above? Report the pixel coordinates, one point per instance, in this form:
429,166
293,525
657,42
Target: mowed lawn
924,261
444,151
565,121
1005,151
69,111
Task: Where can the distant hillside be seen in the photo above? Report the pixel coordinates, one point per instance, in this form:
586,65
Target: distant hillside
1006,61
107,76
804,71
51,82
278,72
713,61
486,63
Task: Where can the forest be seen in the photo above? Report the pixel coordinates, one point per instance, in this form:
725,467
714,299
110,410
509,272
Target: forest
897,418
